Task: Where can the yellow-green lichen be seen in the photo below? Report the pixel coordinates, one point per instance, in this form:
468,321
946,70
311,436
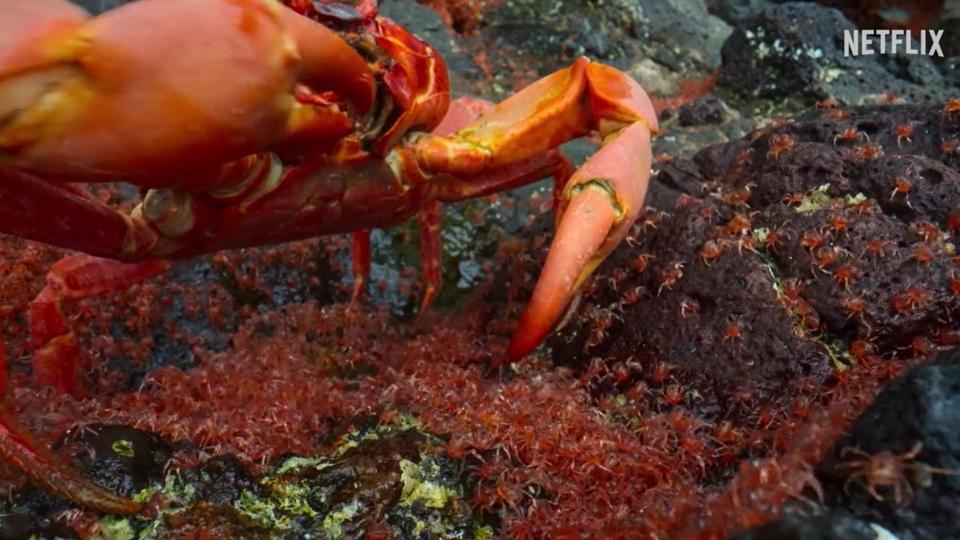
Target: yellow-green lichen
760,235
482,533
114,528
293,499
815,199
123,448
332,526
261,510
298,463
418,489
353,439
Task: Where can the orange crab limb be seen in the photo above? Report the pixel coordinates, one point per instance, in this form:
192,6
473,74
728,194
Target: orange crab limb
25,19
560,107
600,201
82,223
461,112
430,252
322,52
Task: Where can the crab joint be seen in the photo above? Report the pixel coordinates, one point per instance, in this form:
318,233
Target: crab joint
171,212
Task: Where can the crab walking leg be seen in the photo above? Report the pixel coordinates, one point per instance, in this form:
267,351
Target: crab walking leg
46,469
60,215
430,218
56,359
598,203
462,112
360,262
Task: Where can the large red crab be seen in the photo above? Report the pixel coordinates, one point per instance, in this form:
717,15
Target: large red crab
246,122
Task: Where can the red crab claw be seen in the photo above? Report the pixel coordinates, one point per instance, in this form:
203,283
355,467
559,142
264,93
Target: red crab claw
515,143
162,89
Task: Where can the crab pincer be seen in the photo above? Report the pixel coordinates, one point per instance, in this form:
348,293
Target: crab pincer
598,206
517,140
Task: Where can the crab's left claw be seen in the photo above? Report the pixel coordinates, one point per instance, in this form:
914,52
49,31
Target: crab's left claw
598,205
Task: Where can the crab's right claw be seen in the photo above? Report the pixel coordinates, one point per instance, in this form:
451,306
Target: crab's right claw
598,206
159,89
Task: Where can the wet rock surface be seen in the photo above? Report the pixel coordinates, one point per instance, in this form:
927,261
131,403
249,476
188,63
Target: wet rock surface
379,479
797,49
761,261
905,447
119,458
819,527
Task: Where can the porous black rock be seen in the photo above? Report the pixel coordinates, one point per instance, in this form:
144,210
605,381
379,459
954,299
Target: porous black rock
797,50
917,412
826,526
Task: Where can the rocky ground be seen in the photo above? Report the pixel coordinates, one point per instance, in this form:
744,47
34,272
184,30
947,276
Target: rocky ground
770,355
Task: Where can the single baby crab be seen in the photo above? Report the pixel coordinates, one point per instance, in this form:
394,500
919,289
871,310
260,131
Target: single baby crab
886,470
250,122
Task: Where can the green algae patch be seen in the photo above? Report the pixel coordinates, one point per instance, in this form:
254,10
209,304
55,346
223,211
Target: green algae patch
123,448
418,486
115,528
819,198
391,474
333,525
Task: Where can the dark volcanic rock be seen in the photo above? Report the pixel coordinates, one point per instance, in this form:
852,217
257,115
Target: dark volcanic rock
704,111
918,412
767,257
686,27
659,42
556,31
949,22
391,478
122,459
818,527
221,480
796,49
732,11
26,526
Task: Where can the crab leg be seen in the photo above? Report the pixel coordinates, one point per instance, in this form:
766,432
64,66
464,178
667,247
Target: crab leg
430,252
461,113
57,354
599,210
61,215
600,201
46,469
360,256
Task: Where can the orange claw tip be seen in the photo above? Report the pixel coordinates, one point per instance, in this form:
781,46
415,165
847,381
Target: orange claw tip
585,226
